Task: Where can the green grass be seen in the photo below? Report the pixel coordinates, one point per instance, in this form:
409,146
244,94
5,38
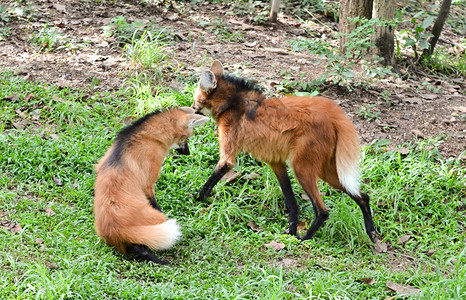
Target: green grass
59,256
147,51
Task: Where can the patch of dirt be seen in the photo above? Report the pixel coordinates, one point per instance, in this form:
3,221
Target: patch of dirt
9,225
403,110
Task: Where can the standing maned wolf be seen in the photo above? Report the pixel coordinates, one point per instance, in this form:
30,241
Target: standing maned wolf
127,215
313,133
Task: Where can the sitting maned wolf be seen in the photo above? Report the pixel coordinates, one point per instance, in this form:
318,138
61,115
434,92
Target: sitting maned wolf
127,215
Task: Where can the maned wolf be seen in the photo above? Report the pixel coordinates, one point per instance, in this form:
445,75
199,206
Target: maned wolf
313,133
127,215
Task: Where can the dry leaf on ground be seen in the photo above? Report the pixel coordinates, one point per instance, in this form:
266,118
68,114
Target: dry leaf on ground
275,245
403,289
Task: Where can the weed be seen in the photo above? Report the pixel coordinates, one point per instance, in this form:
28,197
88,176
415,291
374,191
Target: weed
339,66
219,27
416,38
4,33
386,96
50,38
366,111
447,61
4,15
257,11
147,51
121,30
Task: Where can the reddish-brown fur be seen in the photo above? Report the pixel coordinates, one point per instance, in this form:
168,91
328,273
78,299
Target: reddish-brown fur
125,205
313,133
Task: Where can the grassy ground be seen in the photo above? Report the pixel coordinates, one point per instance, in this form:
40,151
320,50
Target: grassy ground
51,137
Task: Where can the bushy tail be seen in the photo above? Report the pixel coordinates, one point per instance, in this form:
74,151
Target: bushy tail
157,237
347,157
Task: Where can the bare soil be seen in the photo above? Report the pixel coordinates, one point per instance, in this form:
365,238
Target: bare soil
421,107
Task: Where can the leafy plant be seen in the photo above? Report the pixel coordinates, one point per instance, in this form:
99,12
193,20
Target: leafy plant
4,15
340,65
121,30
50,38
448,62
4,19
417,37
366,111
222,31
257,11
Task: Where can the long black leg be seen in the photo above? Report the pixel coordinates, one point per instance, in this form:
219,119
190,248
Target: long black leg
363,202
143,252
284,180
321,217
308,181
211,182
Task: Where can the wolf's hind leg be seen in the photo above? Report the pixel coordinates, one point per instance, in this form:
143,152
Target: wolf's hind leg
143,252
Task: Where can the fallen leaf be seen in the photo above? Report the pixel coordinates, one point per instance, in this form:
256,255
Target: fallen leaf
380,247
460,108
28,97
289,263
402,289
206,209
230,176
402,240
250,44
57,181
252,176
18,125
390,298
179,36
414,100
429,96
49,212
418,133
16,229
305,197
302,225
59,7
369,281
275,245
20,113
9,98
254,226
431,252
403,150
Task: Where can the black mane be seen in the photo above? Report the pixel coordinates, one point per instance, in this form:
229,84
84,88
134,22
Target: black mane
237,102
243,84
122,139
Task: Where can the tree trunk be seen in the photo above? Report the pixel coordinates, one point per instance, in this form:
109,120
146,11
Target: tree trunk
352,9
438,26
384,38
274,10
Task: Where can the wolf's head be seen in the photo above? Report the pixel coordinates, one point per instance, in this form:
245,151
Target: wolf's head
187,120
203,100
218,92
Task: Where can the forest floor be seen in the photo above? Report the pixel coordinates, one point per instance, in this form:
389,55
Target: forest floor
415,106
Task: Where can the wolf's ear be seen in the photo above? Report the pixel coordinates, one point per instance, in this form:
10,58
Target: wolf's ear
207,82
217,68
197,120
187,109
